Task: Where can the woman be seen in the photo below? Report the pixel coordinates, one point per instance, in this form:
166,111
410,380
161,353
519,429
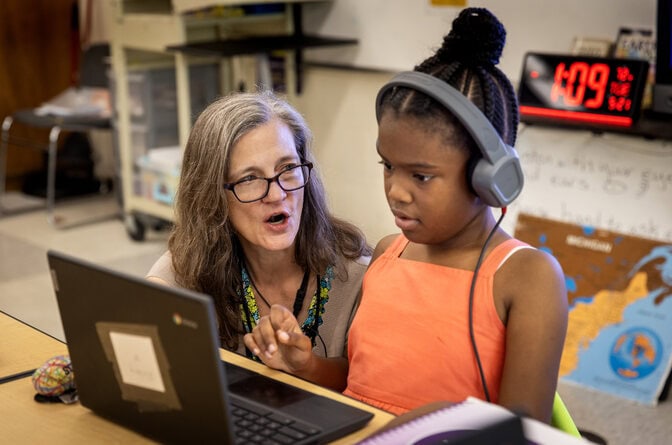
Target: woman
252,227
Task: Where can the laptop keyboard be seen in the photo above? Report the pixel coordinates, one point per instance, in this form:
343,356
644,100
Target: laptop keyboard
257,425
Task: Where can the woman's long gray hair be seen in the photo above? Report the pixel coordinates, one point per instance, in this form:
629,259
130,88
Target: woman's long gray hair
205,250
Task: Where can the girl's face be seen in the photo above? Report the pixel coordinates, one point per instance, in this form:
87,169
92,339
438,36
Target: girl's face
425,180
271,223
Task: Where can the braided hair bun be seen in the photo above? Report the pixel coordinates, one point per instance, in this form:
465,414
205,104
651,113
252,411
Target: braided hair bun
477,37
467,62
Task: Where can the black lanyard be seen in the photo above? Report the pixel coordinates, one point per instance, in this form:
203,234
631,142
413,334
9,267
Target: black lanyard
311,331
301,293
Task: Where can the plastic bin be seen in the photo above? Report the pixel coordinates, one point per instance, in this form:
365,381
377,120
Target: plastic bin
153,100
159,174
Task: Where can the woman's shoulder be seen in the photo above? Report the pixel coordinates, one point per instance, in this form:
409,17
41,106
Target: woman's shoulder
163,269
354,268
349,273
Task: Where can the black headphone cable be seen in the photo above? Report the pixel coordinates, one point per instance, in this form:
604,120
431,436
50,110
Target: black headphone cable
471,304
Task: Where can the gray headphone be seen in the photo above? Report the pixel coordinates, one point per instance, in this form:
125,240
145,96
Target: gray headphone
496,177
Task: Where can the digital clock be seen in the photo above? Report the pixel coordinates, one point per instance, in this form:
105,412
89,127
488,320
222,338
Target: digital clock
579,90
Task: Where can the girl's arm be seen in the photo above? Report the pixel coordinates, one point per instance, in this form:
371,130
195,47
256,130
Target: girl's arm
530,290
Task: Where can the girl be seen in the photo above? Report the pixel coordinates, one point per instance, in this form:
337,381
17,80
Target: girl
454,306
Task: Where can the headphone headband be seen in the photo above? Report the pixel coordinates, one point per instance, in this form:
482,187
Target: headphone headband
497,177
478,126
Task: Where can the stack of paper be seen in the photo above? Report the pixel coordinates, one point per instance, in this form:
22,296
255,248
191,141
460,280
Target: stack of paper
83,101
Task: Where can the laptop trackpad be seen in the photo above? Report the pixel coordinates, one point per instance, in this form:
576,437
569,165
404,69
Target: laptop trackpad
312,408
252,386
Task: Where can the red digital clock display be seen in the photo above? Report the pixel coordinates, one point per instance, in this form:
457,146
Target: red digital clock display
581,90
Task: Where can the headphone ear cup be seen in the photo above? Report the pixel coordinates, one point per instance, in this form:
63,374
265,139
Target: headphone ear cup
498,184
494,173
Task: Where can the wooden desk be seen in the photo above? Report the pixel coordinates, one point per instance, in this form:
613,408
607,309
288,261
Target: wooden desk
23,348
22,420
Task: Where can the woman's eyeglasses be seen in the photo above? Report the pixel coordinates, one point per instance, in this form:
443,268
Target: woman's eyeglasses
251,188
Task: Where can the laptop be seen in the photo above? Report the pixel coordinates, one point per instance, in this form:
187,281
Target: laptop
146,356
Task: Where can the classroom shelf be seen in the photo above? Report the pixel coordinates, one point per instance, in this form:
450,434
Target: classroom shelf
180,33
254,45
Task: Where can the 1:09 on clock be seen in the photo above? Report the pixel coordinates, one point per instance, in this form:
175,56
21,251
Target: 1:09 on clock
581,90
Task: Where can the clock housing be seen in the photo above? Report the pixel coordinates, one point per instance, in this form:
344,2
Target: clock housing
591,92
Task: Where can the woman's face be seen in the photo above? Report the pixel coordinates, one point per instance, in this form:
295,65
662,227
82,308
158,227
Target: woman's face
270,223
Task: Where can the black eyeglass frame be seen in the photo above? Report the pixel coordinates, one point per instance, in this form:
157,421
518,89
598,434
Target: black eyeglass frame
231,185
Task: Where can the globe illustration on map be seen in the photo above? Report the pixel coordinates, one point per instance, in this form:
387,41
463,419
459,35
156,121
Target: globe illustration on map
636,353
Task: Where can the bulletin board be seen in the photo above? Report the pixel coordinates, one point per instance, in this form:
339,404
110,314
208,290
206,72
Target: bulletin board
396,35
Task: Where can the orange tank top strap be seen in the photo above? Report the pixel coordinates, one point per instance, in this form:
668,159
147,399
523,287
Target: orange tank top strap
397,246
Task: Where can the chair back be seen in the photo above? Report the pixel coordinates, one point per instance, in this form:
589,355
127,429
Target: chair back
93,68
561,419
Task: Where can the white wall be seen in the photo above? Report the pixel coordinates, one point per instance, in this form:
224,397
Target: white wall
397,34
98,27
339,108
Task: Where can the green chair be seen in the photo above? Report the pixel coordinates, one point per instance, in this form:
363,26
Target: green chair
561,419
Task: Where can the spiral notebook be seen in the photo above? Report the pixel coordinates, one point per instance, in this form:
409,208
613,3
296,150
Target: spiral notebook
472,422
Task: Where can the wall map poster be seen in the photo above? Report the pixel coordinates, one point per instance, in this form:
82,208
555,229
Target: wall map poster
619,335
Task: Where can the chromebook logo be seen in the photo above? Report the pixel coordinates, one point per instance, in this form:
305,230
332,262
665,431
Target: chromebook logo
180,321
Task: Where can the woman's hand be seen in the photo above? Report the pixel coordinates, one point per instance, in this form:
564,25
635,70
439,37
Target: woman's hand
279,342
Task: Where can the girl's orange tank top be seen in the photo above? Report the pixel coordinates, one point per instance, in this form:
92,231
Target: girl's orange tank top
409,342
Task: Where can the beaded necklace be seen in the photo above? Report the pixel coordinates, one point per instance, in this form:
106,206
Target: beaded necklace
250,311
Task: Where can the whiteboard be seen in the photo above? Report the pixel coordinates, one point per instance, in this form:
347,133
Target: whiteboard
395,35
608,181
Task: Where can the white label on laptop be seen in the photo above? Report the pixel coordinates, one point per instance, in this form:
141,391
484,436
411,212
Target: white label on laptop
137,361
